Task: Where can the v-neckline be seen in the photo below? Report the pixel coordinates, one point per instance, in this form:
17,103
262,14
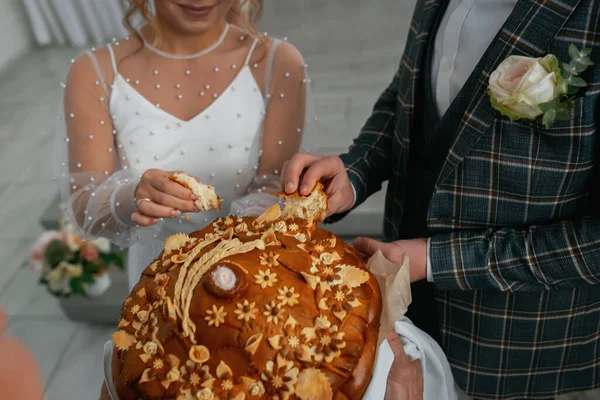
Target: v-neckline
159,110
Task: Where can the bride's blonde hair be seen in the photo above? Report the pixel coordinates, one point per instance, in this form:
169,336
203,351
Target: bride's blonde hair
247,15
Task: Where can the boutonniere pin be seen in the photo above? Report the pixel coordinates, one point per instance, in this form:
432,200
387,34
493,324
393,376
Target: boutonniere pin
527,88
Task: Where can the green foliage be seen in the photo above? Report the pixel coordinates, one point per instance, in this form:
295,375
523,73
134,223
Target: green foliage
56,252
114,259
568,84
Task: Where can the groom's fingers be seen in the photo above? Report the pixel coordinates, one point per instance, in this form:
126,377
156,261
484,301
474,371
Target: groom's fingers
396,344
292,169
325,168
367,246
335,196
333,204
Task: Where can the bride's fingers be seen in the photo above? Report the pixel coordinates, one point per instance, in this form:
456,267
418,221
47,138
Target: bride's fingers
150,208
143,220
174,189
169,201
104,395
282,177
2,320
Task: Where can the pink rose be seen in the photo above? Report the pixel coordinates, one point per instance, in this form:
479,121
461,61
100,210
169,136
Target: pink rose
89,253
520,84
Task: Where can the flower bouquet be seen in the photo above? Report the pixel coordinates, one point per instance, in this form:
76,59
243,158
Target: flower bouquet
69,265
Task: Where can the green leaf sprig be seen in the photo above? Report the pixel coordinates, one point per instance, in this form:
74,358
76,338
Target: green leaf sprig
568,84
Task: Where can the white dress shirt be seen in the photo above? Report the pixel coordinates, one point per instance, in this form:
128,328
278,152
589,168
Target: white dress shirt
466,31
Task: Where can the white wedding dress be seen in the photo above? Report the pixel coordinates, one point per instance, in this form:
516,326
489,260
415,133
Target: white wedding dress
230,115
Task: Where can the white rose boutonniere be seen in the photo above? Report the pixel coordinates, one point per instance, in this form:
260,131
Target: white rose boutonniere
527,88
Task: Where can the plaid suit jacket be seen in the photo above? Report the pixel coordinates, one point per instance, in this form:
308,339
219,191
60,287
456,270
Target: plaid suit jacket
514,217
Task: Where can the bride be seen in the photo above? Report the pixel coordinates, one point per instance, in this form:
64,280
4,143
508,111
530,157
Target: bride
186,92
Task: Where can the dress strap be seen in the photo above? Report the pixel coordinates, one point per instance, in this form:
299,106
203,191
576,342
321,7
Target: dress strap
270,58
112,58
250,52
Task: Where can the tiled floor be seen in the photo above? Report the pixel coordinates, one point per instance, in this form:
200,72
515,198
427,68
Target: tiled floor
352,48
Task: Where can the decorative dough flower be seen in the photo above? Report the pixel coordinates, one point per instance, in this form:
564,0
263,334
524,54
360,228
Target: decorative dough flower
339,300
224,386
293,227
215,316
194,375
246,311
291,344
280,378
327,344
280,226
270,260
274,313
165,370
265,278
287,297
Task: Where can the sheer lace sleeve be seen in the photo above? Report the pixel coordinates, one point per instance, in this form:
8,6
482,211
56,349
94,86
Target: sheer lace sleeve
289,122
96,183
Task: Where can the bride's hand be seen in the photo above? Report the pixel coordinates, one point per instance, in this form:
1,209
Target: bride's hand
104,395
159,197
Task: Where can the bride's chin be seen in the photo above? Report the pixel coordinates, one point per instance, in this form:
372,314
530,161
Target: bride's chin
178,20
197,27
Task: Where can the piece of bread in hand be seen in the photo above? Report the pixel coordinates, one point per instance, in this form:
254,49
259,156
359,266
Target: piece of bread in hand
308,208
207,197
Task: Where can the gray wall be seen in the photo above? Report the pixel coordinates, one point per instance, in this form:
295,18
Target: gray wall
15,35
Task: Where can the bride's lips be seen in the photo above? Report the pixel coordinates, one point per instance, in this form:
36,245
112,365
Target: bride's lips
196,11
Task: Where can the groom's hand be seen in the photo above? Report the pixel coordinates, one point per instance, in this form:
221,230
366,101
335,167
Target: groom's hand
305,170
405,379
416,249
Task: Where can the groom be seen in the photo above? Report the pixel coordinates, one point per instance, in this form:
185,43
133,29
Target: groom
501,217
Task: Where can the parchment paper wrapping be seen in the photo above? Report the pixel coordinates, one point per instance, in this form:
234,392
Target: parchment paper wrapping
394,283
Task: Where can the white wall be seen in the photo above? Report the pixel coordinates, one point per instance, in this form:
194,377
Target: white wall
15,35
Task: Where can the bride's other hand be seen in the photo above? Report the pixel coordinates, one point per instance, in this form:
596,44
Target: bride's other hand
159,197
405,379
104,395
305,170
20,377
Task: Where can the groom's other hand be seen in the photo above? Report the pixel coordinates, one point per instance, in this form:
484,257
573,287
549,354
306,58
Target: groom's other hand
415,249
305,170
405,379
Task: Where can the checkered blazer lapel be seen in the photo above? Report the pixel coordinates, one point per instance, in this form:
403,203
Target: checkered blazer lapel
528,31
